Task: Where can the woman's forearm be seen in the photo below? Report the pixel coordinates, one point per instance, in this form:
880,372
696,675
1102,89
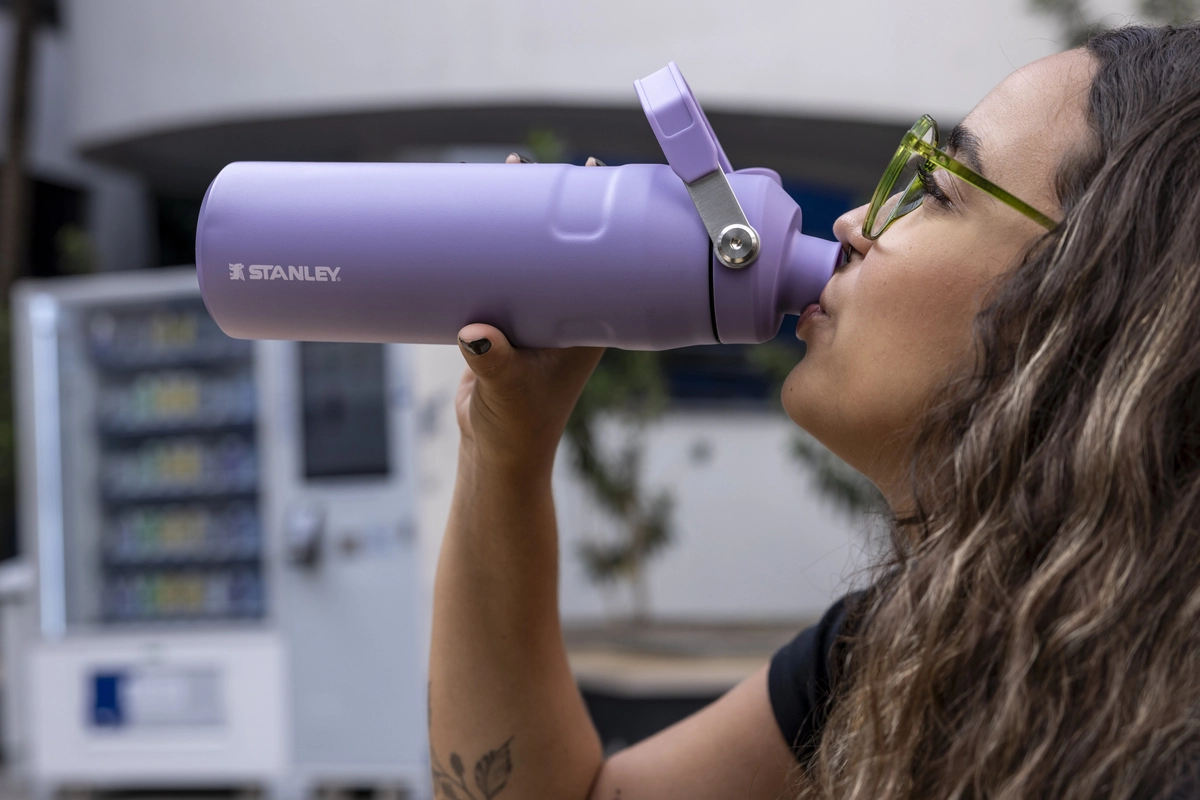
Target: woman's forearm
506,718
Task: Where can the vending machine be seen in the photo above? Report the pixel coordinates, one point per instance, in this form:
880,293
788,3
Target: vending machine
220,538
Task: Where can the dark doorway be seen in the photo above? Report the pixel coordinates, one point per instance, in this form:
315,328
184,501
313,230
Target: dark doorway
57,230
177,217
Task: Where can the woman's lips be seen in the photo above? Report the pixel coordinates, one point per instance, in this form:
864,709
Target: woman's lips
813,310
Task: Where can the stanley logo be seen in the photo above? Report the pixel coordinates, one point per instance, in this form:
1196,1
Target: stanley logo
275,272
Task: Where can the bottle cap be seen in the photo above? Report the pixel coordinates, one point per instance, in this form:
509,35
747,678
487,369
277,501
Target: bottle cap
683,132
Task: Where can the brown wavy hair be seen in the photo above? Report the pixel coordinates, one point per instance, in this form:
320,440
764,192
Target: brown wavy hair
1035,632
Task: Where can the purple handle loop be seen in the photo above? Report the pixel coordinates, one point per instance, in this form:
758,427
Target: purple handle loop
686,137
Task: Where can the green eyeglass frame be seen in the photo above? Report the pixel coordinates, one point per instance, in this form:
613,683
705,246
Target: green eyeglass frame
920,146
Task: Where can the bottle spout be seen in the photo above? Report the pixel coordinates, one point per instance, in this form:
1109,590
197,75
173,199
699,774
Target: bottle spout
809,265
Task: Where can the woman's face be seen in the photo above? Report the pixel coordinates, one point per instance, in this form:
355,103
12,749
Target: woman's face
896,320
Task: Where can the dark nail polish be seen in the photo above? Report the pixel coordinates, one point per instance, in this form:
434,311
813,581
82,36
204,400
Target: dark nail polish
597,162
477,347
525,160
803,349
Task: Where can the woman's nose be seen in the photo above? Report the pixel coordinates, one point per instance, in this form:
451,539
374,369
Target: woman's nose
848,230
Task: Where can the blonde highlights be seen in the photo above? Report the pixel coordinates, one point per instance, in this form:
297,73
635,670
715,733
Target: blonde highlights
1036,629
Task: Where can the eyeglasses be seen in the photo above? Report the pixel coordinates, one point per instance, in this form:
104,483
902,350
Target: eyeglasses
905,183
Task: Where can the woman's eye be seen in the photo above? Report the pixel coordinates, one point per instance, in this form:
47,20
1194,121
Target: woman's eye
931,187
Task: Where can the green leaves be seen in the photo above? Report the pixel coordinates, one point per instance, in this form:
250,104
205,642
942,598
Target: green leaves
646,537
1078,24
546,146
1173,12
836,479
629,387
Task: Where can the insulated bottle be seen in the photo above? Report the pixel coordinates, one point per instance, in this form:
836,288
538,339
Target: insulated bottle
641,257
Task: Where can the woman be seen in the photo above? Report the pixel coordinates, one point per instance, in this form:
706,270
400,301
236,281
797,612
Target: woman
1018,370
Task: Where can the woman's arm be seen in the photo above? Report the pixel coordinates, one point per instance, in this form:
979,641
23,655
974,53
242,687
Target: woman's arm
730,749
506,717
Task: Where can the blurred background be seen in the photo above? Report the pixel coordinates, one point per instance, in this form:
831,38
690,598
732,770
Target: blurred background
218,554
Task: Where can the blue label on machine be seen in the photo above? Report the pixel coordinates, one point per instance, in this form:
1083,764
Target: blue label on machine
156,697
106,699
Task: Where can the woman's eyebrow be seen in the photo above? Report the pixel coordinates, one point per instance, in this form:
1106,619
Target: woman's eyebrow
965,146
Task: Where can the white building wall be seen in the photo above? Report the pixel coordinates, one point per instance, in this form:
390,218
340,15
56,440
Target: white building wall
148,65
754,540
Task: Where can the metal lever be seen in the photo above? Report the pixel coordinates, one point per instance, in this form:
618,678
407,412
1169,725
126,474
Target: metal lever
734,239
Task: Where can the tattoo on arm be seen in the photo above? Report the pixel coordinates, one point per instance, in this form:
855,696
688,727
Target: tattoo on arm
491,775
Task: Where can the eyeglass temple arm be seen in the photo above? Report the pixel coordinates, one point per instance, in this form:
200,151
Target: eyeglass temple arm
972,177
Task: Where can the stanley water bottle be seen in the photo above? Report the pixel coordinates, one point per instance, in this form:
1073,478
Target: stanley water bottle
642,257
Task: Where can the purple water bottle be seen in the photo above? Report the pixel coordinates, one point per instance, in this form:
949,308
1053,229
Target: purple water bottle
642,257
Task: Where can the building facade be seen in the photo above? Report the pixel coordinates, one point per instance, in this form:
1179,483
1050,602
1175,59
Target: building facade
139,103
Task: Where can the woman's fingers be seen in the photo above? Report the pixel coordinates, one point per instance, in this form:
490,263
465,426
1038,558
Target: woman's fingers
506,370
517,158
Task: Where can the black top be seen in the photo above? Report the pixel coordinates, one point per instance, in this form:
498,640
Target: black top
799,685
799,682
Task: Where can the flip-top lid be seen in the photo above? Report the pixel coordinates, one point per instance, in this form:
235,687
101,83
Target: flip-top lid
683,132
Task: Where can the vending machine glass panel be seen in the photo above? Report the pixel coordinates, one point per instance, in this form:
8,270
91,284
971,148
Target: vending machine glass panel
159,422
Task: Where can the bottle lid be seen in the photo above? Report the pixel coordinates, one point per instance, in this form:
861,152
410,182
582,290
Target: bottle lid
683,132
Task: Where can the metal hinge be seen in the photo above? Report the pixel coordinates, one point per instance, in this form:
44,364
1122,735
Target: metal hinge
734,239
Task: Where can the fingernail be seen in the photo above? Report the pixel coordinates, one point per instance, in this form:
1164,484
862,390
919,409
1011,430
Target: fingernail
525,160
803,349
476,347
596,162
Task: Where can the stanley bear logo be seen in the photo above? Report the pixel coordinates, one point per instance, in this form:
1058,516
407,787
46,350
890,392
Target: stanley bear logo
235,272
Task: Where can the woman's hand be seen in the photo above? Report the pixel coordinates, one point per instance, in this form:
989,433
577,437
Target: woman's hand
513,404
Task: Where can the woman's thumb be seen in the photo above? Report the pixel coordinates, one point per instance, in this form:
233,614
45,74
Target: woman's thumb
485,348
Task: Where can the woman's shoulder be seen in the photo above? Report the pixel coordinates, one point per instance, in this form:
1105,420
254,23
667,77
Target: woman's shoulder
802,674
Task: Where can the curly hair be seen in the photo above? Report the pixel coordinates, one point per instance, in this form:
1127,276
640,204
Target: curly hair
1035,630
